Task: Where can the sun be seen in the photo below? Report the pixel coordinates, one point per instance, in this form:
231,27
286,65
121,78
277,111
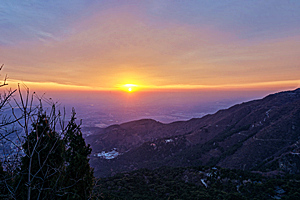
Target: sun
129,87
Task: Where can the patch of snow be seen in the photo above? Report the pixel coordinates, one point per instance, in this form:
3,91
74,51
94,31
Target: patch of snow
203,182
108,155
268,113
101,125
208,174
295,153
169,140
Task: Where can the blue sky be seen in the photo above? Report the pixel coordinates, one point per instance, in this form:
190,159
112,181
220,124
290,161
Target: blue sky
30,20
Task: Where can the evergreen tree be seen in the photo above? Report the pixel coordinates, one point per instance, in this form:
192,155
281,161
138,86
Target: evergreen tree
79,174
43,163
5,183
54,167
3,191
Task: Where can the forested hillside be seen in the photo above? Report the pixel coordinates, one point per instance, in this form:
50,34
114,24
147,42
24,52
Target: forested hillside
197,183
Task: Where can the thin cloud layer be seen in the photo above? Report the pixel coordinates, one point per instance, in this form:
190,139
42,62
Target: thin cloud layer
151,43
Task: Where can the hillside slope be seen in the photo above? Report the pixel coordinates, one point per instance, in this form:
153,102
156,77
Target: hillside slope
257,135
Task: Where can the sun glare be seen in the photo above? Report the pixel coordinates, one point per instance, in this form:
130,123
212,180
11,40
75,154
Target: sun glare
129,87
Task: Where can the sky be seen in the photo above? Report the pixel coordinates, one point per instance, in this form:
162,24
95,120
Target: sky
155,44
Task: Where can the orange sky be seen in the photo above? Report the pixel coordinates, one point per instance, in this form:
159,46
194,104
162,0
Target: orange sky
154,46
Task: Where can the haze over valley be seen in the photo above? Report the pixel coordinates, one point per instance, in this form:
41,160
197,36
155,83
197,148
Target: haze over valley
101,109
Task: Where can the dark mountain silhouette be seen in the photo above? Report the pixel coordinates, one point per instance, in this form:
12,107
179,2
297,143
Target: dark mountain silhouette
260,135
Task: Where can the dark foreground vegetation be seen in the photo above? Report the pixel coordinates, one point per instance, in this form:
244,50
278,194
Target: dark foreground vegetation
197,183
49,165
42,155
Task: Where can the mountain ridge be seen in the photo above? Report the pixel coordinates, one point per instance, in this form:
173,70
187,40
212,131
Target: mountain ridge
256,135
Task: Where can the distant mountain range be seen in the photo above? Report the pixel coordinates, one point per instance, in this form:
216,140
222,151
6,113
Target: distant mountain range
261,135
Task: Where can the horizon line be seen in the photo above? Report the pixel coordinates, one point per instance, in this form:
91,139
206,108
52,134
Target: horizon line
54,86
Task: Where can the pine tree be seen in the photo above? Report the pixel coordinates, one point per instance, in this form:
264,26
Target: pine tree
5,183
79,174
43,163
3,192
54,167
